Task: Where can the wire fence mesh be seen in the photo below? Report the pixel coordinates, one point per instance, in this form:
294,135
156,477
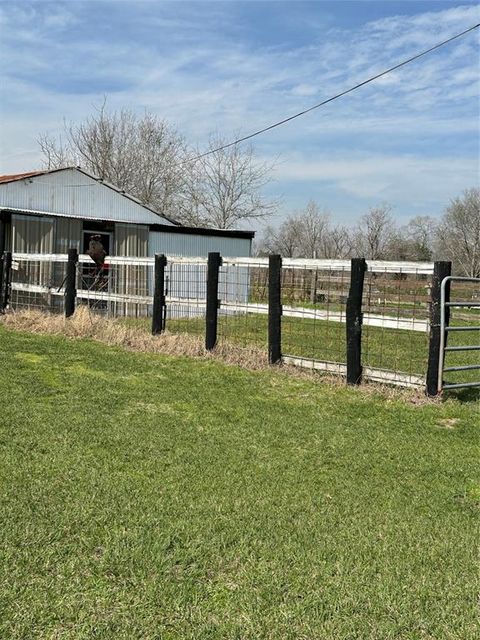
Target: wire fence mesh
314,294
185,295
314,299
243,299
122,287
37,283
396,305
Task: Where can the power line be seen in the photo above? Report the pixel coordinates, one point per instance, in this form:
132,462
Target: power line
335,97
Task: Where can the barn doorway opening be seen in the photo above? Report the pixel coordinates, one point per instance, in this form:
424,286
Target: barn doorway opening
95,280
105,239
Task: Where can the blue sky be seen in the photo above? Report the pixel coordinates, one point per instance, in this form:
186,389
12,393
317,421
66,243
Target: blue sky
410,139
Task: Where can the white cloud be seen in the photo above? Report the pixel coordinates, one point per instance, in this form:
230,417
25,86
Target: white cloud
407,182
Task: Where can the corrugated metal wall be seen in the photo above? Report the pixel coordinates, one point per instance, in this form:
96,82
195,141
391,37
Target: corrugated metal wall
181,244
32,234
131,240
68,235
73,194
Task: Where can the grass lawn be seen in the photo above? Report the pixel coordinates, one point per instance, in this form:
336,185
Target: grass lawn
147,497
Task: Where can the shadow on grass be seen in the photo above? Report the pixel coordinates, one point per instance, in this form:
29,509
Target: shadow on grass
471,395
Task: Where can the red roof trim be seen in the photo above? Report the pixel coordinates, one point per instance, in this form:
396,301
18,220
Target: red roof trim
21,176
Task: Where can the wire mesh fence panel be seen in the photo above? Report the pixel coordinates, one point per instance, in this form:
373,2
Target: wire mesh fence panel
396,311
120,288
37,282
314,298
243,296
185,295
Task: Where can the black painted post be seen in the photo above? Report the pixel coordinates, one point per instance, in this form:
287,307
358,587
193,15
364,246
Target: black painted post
71,283
441,270
211,317
3,234
274,309
354,321
5,287
158,323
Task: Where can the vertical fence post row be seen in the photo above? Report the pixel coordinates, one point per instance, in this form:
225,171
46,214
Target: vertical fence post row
211,316
5,283
158,321
354,321
441,270
274,309
70,283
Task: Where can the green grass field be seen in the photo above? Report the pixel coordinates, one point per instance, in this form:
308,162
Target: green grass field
147,497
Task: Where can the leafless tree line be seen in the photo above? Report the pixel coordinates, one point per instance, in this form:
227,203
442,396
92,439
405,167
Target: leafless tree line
146,157
310,233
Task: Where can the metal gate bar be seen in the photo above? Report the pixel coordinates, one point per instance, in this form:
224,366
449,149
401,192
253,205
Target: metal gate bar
444,304
461,385
468,347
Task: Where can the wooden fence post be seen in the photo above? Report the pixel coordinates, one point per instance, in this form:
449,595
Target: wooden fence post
211,316
158,321
354,321
5,284
441,270
71,282
274,309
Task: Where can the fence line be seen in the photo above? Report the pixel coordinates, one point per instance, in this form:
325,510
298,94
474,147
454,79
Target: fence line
306,321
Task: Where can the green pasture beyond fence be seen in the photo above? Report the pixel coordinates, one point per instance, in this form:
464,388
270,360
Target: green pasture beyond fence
362,320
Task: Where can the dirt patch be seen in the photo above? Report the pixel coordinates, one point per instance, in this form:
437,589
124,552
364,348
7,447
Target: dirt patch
448,423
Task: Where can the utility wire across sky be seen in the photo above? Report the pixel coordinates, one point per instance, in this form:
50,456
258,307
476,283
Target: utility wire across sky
335,97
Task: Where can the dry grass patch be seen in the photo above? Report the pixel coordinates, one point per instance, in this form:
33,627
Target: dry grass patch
84,324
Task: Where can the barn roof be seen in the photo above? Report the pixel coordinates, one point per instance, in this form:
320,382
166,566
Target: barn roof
58,192
19,176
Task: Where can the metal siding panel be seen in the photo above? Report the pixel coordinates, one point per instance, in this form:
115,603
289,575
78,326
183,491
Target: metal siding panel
68,233
72,193
179,244
131,240
32,234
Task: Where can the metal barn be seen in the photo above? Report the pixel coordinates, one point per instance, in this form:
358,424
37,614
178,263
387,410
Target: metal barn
51,211
48,212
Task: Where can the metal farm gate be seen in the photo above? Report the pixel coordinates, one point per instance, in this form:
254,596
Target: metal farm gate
465,325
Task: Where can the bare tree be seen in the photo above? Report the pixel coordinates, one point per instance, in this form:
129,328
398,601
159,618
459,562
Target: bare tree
312,224
225,187
139,154
459,233
374,233
308,234
420,234
285,240
338,243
